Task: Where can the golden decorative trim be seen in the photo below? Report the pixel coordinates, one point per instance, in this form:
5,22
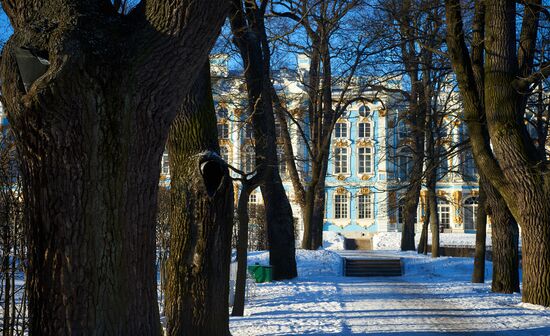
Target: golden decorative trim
249,142
223,121
366,177
382,112
364,191
341,190
441,193
342,120
225,142
341,177
238,112
341,143
457,197
364,143
475,193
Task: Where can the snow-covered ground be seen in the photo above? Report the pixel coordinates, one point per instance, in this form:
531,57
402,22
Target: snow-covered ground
434,297
392,240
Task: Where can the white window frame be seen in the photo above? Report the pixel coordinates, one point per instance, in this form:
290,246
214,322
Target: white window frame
365,209
444,213
341,206
366,129
361,158
338,127
339,166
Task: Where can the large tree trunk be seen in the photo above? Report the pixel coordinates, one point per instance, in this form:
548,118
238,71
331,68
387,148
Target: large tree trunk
511,161
91,132
478,275
505,236
248,31
200,219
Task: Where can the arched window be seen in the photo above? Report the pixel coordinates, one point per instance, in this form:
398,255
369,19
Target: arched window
444,212
248,159
470,213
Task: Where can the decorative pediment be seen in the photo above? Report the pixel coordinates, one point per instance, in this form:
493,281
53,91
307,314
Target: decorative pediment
364,191
341,190
342,143
364,143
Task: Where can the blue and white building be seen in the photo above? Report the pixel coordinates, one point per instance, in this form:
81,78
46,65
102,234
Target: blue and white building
370,157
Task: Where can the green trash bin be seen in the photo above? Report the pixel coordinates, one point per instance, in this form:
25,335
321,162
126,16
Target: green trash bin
261,273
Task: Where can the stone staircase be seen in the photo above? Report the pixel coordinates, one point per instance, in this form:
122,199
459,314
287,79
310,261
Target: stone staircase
355,267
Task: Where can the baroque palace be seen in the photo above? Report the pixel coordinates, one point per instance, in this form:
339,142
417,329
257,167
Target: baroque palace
370,156
369,163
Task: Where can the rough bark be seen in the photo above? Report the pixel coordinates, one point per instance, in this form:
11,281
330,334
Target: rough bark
91,132
249,36
511,161
200,220
505,238
478,275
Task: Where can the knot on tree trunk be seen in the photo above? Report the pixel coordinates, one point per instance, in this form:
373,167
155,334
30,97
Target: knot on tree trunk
213,169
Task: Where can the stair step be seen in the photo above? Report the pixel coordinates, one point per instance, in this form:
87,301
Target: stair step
372,267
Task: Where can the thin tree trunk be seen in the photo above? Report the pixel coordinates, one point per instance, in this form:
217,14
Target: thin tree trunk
478,275
278,212
200,218
434,219
242,247
423,243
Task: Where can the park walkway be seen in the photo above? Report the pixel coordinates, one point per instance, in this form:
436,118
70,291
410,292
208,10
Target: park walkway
432,298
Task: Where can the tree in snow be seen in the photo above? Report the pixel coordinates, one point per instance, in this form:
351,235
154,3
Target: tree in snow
90,94
495,82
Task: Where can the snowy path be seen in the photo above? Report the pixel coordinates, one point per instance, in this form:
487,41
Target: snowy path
433,298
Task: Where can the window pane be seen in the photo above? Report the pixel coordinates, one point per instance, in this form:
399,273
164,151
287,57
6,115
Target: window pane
364,207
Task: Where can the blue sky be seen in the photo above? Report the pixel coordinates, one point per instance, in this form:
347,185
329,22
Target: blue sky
5,27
